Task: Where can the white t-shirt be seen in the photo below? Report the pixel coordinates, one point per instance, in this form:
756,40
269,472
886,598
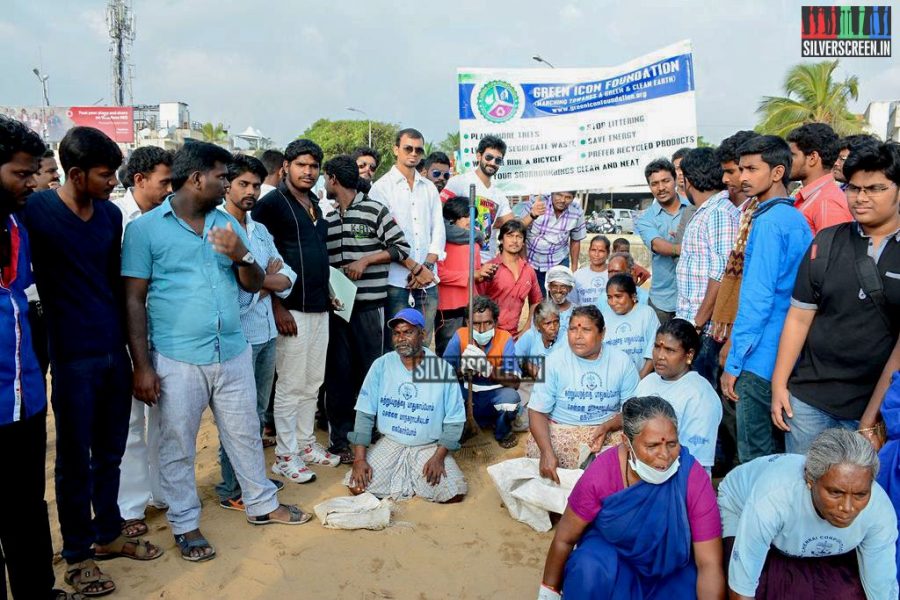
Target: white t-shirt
490,204
697,407
410,412
590,287
634,333
577,391
766,502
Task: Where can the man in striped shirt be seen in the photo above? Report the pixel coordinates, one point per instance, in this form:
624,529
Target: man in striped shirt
363,239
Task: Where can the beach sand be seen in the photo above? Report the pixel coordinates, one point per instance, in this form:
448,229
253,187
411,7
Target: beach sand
469,550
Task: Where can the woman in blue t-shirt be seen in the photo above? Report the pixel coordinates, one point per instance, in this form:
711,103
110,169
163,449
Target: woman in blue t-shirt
577,404
631,326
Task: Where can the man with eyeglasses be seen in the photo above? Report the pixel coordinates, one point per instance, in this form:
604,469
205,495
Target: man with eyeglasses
437,169
851,143
415,205
491,205
367,161
841,329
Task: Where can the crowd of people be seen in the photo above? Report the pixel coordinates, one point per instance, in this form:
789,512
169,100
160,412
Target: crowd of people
771,323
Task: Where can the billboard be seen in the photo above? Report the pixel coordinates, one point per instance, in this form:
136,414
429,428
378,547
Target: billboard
52,122
577,129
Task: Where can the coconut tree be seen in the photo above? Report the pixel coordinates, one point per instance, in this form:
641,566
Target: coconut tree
213,133
813,96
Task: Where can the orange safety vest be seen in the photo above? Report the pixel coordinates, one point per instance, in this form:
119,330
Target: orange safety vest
498,343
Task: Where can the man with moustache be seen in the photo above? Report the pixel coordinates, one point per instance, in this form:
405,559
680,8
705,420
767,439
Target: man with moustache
491,204
183,265
245,176
437,169
76,239
47,177
657,227
814,148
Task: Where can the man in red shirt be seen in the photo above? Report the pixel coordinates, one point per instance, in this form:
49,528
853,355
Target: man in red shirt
514,281
814,148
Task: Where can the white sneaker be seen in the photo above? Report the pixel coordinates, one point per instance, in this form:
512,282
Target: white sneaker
293,468
317,455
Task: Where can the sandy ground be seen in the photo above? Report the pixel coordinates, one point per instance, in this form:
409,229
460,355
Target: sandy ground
469,550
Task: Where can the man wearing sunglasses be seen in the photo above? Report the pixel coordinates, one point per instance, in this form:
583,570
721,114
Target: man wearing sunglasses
491,205
437,169
415,205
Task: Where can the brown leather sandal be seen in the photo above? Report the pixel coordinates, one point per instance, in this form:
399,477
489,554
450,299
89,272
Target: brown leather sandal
88,580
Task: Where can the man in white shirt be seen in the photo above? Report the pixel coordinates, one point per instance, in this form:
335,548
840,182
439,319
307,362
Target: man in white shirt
149,173
415,205
273,161
491,205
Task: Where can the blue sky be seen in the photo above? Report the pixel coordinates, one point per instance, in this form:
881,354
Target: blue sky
279,65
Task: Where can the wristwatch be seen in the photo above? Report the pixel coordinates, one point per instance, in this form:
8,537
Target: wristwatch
429,266
247,260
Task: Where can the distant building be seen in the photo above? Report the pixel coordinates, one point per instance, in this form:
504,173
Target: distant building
883,119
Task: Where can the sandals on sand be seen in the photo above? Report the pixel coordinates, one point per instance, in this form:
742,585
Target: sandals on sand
87,579
297,517
187,545
134,528
64,595
123,547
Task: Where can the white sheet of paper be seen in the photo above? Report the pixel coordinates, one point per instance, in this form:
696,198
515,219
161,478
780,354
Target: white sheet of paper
344,290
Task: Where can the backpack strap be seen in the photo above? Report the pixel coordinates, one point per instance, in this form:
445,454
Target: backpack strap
821,250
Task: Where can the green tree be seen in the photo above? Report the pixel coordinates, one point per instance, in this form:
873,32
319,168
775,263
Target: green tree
812,96
343,136
450,145
702,143
213,133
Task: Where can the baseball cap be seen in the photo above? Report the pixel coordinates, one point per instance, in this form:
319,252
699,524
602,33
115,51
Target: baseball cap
408,315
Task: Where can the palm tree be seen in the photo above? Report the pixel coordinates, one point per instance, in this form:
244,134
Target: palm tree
450,145
213,133
812,97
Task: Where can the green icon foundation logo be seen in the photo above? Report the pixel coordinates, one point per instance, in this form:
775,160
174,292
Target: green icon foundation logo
498,101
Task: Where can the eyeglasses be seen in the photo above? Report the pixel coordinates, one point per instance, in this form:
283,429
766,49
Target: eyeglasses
435,174
365,165
841,158
497,160
419,150
869,190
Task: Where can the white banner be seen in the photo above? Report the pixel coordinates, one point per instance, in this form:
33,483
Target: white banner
579,129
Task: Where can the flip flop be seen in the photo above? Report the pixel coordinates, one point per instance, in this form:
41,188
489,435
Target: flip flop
298,517
142,550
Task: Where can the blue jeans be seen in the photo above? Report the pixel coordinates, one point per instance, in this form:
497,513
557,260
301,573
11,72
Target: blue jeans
808,422
398,299
757,435
264,374
91,405
487,411
706,363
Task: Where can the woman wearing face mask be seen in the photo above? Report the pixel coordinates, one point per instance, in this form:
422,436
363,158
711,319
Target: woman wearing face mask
809,527
631,327
577,404
696,403
560,283
643,517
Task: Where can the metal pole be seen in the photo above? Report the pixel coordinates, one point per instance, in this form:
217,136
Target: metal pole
370,133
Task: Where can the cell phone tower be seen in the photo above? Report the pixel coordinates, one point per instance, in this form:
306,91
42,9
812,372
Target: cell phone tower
120,21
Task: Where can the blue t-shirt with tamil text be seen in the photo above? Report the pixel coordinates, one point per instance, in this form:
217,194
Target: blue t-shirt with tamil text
577,391
410,412
634,333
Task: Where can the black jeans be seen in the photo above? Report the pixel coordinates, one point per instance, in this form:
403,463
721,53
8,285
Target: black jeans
25,548
39,335
352,348
92,405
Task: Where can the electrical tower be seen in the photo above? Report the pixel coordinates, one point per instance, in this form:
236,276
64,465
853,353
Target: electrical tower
120,21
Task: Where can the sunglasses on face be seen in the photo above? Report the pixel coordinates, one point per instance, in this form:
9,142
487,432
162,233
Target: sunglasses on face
417,150
497,160
435,174
365,165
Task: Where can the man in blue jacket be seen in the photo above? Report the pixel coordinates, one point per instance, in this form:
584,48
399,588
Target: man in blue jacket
25,549
779,237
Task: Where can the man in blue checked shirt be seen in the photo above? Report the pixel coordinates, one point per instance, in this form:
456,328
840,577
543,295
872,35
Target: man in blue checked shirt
657,227
245,177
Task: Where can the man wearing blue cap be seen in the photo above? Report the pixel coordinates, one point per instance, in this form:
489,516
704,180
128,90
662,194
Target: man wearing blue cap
415,396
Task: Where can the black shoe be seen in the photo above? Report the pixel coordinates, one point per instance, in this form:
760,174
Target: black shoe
278,484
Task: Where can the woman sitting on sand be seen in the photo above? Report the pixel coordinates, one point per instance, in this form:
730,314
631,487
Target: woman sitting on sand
810,527
577,404
643,517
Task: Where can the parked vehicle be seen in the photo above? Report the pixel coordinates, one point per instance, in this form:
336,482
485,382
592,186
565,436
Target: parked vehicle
625,218
603,221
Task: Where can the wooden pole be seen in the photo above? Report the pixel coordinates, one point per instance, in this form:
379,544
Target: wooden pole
472,428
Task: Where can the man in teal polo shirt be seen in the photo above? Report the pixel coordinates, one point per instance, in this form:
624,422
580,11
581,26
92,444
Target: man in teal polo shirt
657,228
183,263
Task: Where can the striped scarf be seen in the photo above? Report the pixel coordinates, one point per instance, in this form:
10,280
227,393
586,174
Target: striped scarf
727,300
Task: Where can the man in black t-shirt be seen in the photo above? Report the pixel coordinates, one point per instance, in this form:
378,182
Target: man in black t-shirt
839,343
76,238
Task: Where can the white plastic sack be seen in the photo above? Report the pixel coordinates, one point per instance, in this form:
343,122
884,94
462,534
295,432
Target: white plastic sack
355,512
528,497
